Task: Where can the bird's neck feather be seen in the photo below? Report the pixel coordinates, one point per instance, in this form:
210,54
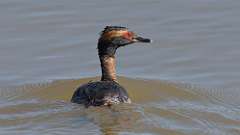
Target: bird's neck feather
108,65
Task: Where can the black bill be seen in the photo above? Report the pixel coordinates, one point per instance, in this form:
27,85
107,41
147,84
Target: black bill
143,40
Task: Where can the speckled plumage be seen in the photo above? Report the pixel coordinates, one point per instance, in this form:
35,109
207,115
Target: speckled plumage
100,93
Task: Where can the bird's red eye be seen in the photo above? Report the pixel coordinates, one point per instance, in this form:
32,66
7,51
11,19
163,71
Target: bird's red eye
129,35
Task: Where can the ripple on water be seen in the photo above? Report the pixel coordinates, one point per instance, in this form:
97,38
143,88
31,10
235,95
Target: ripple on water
159,107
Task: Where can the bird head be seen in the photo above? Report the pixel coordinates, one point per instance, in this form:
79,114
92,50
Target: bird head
113,37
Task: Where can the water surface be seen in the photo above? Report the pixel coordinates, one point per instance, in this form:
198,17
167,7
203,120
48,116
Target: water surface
186,82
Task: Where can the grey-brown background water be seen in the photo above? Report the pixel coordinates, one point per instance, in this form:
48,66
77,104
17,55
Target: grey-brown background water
190,75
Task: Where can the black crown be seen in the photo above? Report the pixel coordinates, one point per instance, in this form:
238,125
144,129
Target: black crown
111,28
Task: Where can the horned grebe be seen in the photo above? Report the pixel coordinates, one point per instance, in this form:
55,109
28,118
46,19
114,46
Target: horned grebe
107,91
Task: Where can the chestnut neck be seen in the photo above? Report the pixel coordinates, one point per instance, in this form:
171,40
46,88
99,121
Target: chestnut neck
108,65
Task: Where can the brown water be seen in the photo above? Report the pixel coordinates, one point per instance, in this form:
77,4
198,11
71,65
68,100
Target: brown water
185,83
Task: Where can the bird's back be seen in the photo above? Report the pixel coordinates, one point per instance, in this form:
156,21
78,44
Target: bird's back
100,93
